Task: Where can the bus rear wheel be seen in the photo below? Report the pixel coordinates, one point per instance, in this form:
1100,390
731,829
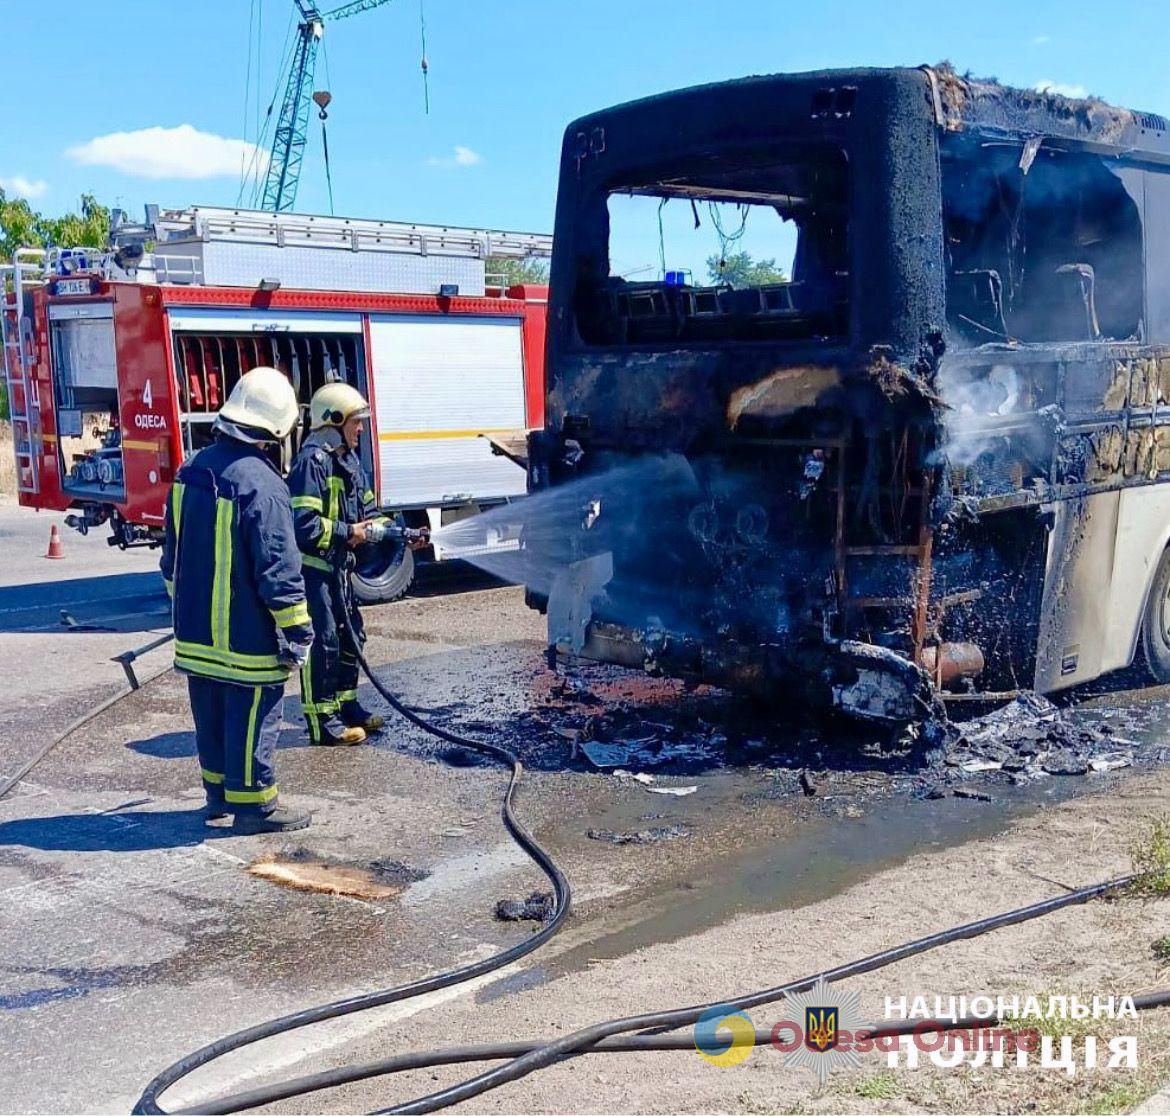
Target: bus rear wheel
1156,624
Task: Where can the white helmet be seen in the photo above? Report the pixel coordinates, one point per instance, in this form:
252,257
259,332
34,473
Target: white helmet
263,398
334,404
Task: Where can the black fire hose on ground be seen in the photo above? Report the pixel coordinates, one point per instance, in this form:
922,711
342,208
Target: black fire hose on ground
613,1036
126,660
618,1044
149,1101
525,1058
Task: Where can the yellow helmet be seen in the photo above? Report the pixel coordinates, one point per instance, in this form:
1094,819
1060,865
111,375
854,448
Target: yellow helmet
334,404
265,399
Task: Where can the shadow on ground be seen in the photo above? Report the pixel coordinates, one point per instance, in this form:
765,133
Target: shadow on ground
72,983
181,745
125,831
439,579
127,602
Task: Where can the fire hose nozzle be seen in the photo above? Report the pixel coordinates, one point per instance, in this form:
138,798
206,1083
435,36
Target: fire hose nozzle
384,530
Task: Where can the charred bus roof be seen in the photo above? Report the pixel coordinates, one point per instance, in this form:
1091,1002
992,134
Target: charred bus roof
982,104
790,141
745,107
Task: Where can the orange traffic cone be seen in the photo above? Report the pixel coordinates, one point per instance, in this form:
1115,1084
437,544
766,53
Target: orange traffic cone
56,550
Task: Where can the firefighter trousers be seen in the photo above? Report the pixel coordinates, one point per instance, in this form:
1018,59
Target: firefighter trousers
329,679
236,727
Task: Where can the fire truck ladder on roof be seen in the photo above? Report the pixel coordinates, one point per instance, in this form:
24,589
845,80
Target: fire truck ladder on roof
208,223
24,407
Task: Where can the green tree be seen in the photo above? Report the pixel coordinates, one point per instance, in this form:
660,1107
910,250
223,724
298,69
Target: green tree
740,270
21,226
509,272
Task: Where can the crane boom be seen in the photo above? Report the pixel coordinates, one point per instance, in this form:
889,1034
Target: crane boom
354,8
291,134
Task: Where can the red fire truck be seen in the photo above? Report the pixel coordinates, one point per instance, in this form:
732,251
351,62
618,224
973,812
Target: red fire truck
116,360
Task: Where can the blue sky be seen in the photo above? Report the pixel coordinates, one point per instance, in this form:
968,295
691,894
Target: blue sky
506,76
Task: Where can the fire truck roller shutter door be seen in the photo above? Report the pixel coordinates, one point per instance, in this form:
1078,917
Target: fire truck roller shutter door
439,383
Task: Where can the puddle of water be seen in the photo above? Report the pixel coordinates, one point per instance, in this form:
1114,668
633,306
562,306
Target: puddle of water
826,857
517,982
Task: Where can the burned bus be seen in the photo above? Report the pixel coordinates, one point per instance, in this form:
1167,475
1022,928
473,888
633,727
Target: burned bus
924,455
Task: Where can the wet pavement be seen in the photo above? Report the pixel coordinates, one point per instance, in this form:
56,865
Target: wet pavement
134,933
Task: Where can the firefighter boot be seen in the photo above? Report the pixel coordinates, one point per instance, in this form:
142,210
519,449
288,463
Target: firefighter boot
215,811
215,808
283,819
356,715
333,732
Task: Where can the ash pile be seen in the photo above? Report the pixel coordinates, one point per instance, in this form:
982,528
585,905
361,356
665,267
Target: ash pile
1031,738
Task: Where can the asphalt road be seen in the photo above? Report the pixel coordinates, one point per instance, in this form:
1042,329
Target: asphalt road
133,934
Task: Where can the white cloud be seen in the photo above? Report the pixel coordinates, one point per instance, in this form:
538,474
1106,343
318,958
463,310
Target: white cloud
1041,40
462,157
181,152
1060,89
23,187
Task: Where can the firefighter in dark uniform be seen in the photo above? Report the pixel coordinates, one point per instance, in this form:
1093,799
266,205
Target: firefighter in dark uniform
241,619
335,512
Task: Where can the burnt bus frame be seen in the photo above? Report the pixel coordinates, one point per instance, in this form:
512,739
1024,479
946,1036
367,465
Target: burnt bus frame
609,399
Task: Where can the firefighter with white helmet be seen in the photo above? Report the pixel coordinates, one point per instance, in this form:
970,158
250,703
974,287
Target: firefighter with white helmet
335,512
231,564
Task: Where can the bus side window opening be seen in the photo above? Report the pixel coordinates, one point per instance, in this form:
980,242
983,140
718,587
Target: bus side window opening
1045,251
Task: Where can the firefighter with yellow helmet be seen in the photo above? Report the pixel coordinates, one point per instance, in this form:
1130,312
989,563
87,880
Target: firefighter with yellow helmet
231,565
335,512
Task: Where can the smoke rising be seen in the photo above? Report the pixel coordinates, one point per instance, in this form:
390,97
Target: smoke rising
973,399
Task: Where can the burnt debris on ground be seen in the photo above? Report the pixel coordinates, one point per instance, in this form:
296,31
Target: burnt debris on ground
538,907
648,836
1032,738
628,726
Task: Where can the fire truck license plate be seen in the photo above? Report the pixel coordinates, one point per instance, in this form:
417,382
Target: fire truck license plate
72,286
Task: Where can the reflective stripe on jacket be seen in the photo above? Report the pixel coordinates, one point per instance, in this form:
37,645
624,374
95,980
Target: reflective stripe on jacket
232,566
330,492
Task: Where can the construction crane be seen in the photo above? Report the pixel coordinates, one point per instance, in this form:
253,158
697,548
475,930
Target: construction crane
288,144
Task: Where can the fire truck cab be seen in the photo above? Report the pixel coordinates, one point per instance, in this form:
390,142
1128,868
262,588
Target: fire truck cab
116,360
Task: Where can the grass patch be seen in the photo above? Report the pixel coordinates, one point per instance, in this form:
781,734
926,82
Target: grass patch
750,1104
1118,1098
1151,861
882,1086
1160,948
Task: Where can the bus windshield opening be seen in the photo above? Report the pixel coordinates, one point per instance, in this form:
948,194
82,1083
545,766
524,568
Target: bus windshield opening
736,253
